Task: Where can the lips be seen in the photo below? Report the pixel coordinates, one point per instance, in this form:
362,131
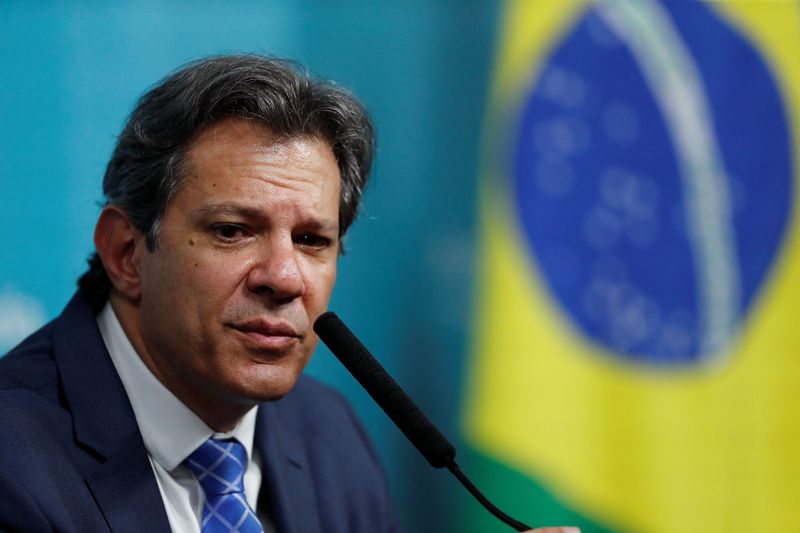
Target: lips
268,334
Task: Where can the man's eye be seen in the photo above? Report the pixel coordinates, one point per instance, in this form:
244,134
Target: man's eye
313,240
228,232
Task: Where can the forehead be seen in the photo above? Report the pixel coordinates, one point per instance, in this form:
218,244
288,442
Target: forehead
244,159
233,138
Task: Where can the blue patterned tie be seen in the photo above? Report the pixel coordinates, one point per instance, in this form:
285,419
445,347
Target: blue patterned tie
219,467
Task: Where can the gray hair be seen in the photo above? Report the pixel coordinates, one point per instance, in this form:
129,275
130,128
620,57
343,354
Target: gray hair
146,169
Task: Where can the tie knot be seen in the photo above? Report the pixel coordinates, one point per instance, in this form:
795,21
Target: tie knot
219,466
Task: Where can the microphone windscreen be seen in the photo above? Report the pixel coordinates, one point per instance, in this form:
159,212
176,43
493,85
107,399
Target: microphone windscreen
384,390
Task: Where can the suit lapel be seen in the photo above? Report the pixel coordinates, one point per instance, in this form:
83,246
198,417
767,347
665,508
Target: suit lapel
287,490
123,484
126,492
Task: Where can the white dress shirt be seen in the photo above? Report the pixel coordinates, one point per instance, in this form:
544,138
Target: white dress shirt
171,432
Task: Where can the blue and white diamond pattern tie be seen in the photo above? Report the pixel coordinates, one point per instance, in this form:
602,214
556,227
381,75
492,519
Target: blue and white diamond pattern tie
219,467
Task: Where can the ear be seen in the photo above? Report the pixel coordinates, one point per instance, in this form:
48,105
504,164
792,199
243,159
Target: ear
119,245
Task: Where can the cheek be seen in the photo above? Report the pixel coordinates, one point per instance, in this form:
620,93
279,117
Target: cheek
213,272
320,280
168,287
190,286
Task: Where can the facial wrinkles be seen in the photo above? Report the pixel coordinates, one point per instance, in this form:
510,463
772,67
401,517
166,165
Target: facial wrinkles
284,182
274,255
287,200
247,151
279,205
267,158
286,173
275,252
196,281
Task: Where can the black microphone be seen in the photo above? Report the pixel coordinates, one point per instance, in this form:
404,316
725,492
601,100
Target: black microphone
397,404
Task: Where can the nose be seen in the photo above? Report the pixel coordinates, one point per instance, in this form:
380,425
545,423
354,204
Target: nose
276,272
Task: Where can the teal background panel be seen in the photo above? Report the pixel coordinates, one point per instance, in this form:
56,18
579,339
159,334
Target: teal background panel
71,73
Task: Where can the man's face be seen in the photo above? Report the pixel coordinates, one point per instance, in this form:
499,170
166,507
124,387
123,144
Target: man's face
246,261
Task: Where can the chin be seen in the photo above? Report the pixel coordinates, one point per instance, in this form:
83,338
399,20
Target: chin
268,384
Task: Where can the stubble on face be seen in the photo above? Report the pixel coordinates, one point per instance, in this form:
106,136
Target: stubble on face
246,261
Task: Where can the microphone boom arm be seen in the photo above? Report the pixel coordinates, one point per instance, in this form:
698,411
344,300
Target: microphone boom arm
398,406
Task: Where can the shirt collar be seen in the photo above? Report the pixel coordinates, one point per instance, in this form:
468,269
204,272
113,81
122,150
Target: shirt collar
170,430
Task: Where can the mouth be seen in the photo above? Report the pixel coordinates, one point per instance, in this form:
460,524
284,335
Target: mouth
267,335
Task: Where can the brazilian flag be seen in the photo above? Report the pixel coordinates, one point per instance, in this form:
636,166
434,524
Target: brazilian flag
636,351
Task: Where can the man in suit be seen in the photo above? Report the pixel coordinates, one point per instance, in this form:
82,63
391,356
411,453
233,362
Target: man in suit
168,395
228,194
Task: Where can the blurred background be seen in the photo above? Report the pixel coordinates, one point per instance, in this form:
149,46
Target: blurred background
579,252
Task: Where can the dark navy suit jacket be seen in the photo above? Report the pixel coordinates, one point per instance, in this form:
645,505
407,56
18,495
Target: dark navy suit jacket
72,458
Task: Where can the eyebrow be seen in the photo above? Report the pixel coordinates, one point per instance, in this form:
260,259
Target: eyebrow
227,208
